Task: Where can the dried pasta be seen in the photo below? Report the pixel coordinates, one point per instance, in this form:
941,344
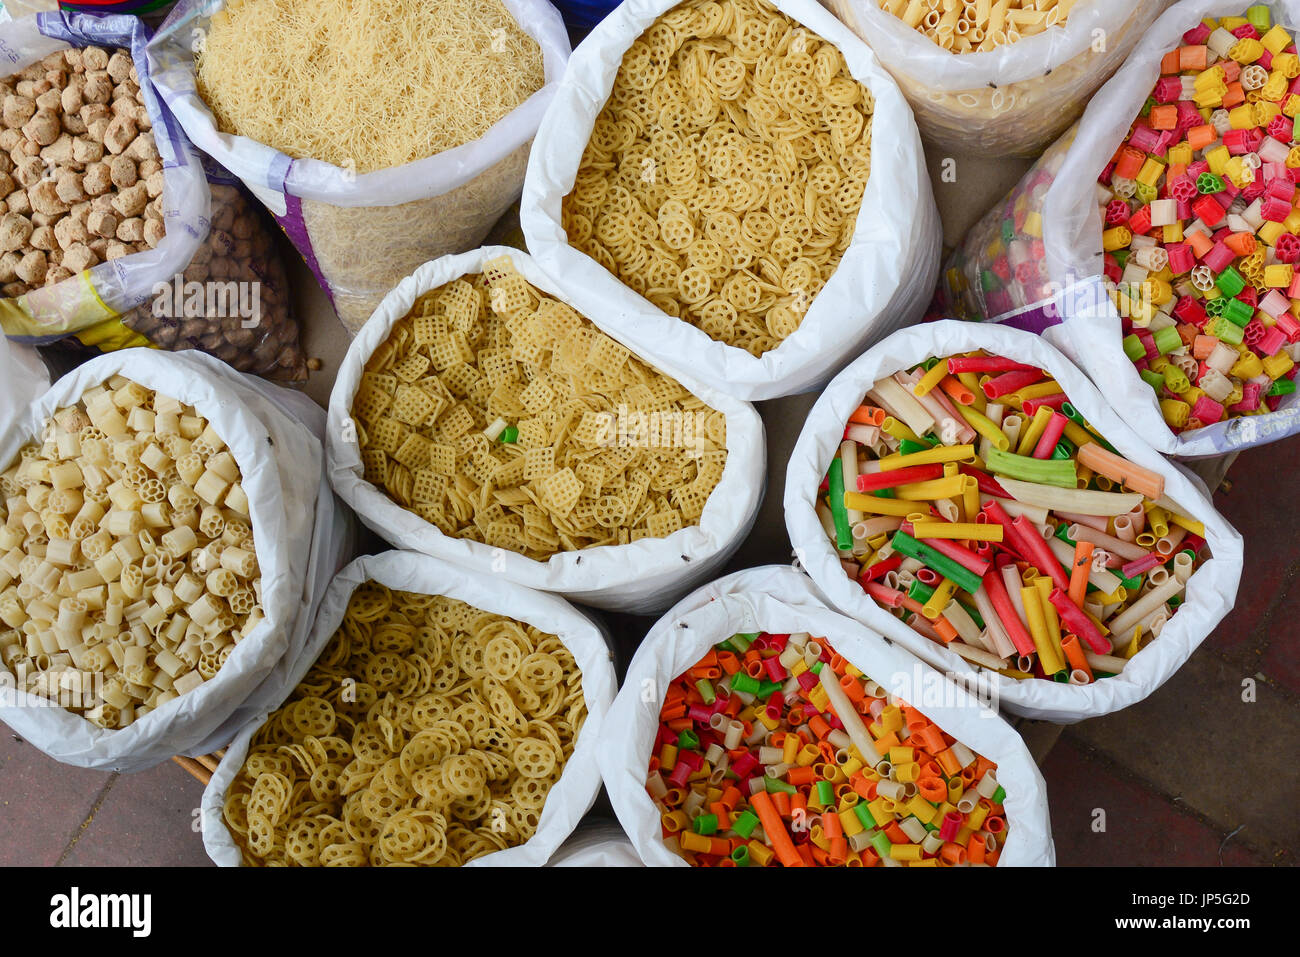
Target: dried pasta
429,732
498,414
127,564
976,26
724,175
365,86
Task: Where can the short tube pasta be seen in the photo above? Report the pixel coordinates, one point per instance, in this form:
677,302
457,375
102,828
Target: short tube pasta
101,523
1056,542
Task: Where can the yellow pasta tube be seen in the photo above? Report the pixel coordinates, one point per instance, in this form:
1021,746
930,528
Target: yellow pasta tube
1038,630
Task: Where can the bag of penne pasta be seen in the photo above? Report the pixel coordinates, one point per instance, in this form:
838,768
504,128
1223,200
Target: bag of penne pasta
997,77
481,700
983,519
168,533
661,750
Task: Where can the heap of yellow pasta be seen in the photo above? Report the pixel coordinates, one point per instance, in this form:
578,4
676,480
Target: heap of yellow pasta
429,733
724,175
498,414
365,84
976,26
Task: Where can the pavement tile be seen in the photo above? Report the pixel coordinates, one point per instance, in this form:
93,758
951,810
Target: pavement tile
1266,522
1141,826
1197,740
145,820
1281,661
42,802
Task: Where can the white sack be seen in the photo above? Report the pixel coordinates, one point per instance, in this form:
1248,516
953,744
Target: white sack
1211,591
1069,280
300,537
1015,98
465,189
575,792
779,599
883,282
639,577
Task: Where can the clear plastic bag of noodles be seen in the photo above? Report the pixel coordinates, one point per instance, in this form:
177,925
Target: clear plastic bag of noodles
990,95
367,178
232,301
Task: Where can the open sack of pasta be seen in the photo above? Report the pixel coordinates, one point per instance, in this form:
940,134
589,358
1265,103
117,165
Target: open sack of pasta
108,222
965,491
403,139
709,188
756,727
437,717
479,418
167,532
998,77
1162,232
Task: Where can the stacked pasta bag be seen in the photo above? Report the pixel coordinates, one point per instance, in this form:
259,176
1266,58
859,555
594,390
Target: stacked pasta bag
480,418
724,211
426,723
162,555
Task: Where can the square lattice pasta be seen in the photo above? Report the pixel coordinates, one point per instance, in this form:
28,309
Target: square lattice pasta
497,413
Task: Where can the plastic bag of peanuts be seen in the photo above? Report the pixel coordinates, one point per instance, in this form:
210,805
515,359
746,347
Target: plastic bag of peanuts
111,229
243,315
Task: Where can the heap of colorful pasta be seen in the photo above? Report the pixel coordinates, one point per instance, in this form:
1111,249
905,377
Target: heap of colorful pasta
773,749
429,732
1201,224
973,501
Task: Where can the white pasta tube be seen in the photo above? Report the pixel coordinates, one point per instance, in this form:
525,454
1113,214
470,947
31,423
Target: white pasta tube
1123,623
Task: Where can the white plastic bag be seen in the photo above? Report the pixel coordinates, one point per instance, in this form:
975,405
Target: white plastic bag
639,577
119,285
361,233
22,378
575,792
1064,271
1015,98
596,844
1210,592
781,600
883,281
300,537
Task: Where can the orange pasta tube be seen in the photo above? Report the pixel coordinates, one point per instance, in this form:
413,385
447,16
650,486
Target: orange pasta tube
1073,649
1119,469
1079,572
775,830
